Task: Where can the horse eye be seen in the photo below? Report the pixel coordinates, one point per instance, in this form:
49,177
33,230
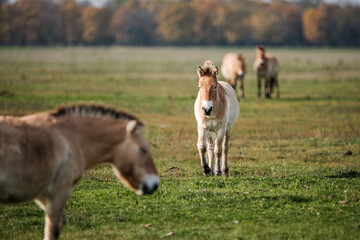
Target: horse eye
215,87
143,150
199,87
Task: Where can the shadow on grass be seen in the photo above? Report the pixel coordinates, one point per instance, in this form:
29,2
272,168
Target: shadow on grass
351,174
309,98
287,198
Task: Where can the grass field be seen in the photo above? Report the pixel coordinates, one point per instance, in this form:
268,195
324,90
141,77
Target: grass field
289,176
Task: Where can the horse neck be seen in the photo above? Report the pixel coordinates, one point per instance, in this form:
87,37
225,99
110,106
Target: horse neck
218,100
94,139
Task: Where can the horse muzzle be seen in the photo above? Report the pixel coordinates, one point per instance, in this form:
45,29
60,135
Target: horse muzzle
149,185
206,111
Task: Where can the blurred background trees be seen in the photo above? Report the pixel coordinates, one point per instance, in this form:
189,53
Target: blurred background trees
181,22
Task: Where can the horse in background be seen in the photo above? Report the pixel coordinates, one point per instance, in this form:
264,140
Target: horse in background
42,156
233,69
266,66
216,110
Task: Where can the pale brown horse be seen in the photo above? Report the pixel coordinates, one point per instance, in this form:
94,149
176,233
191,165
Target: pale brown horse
233,69
216,111
42,156
267,67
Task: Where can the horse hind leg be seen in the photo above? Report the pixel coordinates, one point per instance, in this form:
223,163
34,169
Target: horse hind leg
225,150
276,83
268,87
218,151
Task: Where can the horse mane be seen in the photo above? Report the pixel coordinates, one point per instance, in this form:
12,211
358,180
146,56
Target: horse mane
94,110
261,48
240,57
209,69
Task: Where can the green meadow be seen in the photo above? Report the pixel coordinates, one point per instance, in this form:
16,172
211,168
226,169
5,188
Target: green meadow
291,174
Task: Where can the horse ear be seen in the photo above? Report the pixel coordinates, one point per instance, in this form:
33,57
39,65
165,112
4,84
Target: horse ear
131,127
216,71
200,71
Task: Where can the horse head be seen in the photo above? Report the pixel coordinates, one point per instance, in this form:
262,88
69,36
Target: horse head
133,163
207,86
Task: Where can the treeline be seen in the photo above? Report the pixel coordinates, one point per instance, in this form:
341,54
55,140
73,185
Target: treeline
191,22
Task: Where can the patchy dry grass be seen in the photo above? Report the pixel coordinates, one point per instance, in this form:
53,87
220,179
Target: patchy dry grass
289,174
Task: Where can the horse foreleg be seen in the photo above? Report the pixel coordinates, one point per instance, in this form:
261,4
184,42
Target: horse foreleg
268,87
54,213
218,151
259,85
202,151
210,151
241,90
224,165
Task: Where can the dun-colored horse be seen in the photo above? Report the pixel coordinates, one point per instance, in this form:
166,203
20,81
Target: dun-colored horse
266,66
216,110
233,69
42,156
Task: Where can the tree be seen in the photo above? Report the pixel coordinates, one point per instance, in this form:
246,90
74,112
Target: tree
208,22
134,24
314,25
177,23
268,25
346,30
95,22
236,25
70,22
5,21
33,22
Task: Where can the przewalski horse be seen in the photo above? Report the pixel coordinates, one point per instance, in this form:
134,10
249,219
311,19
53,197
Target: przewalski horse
42,156
266,66
233,69
216,110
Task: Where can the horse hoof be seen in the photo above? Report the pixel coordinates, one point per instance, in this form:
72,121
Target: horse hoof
225,173
218,173
207,171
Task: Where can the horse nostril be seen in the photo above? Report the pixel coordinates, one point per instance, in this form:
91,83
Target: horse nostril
207,111
149,189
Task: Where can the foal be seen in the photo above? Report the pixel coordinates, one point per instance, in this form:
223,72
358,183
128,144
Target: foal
266,66
233,69
42,156
216,110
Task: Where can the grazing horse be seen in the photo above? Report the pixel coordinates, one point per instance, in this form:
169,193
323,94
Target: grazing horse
266,66
233,69
216,110
42,156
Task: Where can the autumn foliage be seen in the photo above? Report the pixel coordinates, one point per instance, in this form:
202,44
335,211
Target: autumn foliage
186,22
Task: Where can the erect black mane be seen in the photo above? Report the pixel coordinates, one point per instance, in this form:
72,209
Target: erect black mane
94,110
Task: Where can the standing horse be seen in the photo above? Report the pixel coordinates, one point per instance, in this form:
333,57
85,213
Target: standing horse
266,66
216,110
42,156
233,69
